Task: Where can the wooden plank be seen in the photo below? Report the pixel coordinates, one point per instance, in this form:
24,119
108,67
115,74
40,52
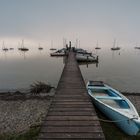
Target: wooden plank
72,118
69,96
71,123
71,114
95,135
72,105
70,100
70,129
71,109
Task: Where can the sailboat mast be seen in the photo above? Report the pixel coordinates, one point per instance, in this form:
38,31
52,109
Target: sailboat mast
22,44
3,45
51,44
64,43
114,44
76,43
97,44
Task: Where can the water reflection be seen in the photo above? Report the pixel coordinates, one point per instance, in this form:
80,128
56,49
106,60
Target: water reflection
115,54
20,69
120,69
5,55
137,51
97,51
23,54
88,63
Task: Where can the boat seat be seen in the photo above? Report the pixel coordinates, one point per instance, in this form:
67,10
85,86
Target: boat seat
109,98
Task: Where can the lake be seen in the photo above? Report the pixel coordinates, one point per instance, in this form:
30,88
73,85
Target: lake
19,69
120,69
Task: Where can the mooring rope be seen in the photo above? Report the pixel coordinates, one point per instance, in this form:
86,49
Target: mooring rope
109,121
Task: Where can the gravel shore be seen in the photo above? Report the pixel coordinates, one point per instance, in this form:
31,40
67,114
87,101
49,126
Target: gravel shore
19,112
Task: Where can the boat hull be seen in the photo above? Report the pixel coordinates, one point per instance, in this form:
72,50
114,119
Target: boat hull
124,123
115,106
86,58
137,47
62,52
97,48
115,49
58,54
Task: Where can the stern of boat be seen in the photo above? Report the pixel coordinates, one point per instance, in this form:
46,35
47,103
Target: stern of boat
137,122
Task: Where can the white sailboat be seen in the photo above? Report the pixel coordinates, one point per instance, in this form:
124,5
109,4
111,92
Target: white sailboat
114,46
97,47
3,47
137,47
22,48
40,48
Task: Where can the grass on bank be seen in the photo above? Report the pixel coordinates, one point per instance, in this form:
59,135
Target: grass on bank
32,134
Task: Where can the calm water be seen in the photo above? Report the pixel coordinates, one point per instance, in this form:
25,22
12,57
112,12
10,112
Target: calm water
120,69
18,70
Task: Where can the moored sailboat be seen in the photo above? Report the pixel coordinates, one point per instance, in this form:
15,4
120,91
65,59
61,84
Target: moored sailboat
60,52
114,46
22,48
3,47
97,46
40,48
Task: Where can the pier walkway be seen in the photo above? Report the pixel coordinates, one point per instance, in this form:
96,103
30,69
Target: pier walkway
71,114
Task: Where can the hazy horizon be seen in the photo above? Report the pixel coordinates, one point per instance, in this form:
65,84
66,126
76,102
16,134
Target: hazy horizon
41,21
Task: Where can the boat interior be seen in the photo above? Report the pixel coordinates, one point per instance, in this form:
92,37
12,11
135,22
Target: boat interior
109,97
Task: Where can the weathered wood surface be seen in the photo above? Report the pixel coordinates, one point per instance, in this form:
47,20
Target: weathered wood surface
71,114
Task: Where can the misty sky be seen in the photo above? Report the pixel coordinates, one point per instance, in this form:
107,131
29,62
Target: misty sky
87,20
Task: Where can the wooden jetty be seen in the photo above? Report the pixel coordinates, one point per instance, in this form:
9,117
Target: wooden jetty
71,114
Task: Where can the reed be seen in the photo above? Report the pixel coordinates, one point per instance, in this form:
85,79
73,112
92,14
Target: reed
40,87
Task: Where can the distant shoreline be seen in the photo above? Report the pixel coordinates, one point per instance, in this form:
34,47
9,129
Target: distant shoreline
27,91
18,95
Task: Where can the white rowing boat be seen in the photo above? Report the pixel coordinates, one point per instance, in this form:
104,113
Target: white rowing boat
115,106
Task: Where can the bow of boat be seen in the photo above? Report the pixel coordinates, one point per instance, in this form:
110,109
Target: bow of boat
115,106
